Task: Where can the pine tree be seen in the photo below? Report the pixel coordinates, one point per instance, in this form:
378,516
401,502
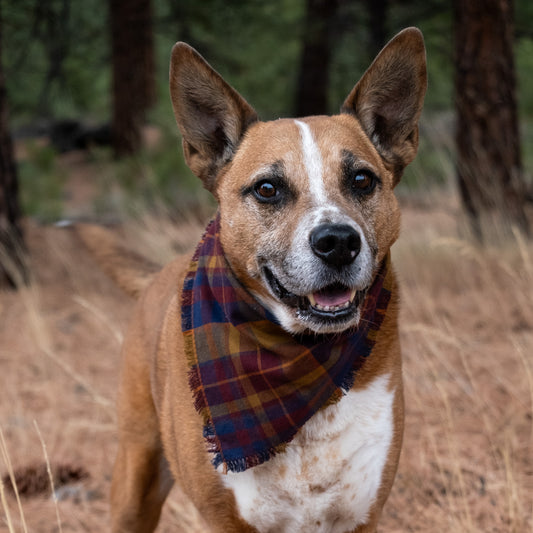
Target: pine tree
489,166
12,265
132,46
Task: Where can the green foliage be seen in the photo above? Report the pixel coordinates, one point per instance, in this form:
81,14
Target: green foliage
56,58
433,164
523,15
437,30
57,65
354,51
41,183
157,177
255,45
524,68
57,53
527,153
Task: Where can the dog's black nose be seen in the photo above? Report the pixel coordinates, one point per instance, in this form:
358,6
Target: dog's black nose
336,244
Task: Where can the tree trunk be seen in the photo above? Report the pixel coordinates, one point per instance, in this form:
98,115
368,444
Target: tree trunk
133,72
12,264
489,167
377,13
313,80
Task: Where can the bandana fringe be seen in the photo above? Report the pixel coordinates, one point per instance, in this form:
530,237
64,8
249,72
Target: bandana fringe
243,463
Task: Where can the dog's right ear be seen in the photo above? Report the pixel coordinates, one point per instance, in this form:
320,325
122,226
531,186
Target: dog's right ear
388,99
211,115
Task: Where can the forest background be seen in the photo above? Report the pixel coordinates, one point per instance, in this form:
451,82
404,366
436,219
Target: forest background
58,67
467,306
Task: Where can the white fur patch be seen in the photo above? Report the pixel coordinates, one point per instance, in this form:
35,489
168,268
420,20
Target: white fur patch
312,162
329,476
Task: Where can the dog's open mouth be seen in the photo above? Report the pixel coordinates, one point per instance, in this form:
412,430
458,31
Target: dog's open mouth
334,301
331,299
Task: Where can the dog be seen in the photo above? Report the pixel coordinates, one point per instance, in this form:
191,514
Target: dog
263,373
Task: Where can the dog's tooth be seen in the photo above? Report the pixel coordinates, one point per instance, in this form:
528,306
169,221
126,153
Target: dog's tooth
331,308
352,295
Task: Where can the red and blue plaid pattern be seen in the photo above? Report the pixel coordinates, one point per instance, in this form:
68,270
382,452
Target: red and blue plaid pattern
254,383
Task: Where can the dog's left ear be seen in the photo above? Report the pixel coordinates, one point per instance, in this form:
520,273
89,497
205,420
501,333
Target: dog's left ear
211,115
388,99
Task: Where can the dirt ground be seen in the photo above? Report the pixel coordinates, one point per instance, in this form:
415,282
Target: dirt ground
467,339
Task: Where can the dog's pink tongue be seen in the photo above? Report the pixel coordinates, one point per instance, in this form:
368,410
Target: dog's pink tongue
332,298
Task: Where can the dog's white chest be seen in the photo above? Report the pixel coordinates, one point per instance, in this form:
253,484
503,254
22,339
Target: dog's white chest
329,475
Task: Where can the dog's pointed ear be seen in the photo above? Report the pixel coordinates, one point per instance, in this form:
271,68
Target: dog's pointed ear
388,99
211,115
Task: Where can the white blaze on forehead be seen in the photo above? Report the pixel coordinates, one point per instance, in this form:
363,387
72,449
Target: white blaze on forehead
312,162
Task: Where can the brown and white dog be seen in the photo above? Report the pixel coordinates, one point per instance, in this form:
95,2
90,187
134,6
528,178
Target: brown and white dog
303,203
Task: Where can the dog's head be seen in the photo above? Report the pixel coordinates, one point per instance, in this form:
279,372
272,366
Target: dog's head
307,206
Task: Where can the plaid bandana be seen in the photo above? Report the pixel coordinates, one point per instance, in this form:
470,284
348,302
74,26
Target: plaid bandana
255,384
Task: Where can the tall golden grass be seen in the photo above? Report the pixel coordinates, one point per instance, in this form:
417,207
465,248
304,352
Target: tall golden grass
467,337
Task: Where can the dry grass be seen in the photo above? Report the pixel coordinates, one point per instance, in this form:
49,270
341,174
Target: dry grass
467,335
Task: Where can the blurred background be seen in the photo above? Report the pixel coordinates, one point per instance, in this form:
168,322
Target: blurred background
87,134
93,77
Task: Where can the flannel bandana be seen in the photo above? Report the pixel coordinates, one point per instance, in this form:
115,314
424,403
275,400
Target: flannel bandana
254,383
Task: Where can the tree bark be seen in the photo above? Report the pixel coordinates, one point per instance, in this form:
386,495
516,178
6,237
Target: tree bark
132,46
313,80
489,167
12,264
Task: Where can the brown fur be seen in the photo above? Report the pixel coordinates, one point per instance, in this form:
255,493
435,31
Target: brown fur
160,431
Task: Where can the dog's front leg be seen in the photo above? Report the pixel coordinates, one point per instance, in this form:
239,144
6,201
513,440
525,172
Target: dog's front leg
367,528
141,482
141,476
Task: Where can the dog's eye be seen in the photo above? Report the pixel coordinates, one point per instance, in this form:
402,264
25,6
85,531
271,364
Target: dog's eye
363,182
265,190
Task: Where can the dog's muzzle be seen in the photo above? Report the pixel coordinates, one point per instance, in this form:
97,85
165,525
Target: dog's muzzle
335,248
